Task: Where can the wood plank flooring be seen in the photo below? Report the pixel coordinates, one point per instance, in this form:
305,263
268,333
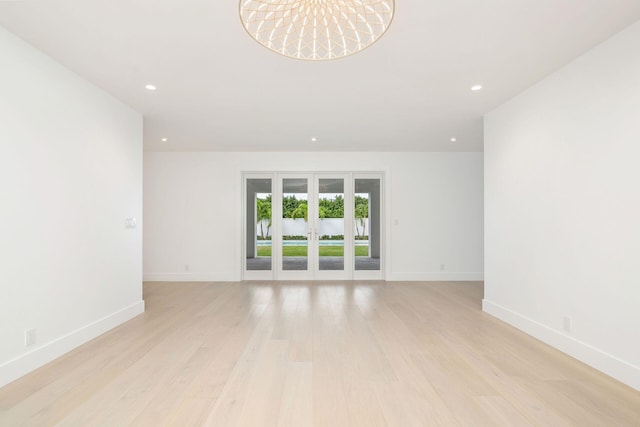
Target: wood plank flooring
316,354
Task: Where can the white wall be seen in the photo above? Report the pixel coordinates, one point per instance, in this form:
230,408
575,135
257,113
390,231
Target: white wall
299,227
70,172
296,227
562,208
192,208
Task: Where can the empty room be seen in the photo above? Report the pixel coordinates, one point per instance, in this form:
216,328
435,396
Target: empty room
319,213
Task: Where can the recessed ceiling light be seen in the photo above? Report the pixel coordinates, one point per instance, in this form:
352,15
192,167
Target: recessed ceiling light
476,88
453,139
314,139
164,139
150,87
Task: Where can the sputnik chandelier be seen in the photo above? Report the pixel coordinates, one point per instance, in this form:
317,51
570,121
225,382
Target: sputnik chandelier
316,29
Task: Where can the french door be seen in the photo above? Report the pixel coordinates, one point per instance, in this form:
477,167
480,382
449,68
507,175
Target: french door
310,226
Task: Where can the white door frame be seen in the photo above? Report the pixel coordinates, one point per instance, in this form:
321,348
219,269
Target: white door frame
255,274
372,274
346,273
313,272
280,273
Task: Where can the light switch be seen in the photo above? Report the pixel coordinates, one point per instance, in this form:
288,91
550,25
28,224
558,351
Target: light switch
129,223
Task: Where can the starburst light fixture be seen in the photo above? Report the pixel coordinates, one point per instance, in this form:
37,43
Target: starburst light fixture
316,29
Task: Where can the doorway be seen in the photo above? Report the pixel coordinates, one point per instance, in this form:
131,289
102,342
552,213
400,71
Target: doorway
312,226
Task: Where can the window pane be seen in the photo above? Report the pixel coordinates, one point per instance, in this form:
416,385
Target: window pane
331,224
259,221
295,226
367,224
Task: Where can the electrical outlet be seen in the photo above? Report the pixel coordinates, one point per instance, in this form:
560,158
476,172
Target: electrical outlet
566,323
29,337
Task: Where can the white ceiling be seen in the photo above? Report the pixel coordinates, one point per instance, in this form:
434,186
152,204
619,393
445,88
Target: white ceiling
220,90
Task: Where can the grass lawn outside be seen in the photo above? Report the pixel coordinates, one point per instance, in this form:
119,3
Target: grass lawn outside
302,251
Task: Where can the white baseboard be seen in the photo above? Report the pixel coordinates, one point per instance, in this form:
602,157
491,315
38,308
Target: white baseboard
611,365
235,277
191,277
39,356
435,277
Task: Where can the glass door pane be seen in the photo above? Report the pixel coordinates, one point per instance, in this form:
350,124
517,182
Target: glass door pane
258,226
330,228
295,224
367,224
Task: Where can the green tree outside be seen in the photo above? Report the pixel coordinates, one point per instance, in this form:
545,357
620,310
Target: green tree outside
263,212
361,213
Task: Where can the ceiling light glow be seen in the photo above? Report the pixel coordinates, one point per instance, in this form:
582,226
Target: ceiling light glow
476,88
164,139
314,139
150,87
316,30
453,139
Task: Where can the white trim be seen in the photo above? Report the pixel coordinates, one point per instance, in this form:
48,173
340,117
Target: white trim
39,356
240,200
387,225
192,277
312,273
436,276
619,369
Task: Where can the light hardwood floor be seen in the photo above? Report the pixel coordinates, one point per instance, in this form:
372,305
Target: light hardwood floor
321,354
